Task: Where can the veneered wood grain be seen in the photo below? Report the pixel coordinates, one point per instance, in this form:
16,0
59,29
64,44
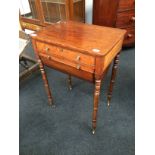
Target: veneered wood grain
104,12
81,37
126,5
111,55
125,19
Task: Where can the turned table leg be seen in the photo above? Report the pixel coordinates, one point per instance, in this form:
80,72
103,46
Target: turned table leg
70,82
44,77
95,106
113,76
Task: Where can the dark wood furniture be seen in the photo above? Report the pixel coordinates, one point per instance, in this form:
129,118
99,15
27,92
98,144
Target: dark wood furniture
41,13
82,50
116,13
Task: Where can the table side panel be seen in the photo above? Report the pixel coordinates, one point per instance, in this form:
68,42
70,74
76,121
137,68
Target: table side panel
111,55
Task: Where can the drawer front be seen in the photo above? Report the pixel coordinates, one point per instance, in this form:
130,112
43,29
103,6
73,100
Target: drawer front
48,49
126,4
48,59
129,37
125,19
65,54
66,68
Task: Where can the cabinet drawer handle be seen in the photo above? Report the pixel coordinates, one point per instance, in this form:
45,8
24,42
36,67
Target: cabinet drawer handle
133,19
46,49
48,57
78,66
78,58
129,35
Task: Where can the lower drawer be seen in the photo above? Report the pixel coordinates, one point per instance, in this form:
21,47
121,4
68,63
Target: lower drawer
49,58
129,38
72,70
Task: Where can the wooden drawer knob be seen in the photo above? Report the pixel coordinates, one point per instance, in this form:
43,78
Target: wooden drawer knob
78,58
133,19
46,49
78,66
129,35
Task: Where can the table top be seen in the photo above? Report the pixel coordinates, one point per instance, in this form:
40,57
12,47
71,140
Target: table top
91,39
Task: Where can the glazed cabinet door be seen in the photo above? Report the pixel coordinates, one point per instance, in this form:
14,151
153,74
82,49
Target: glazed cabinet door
54,10
31,14
28,9
39,13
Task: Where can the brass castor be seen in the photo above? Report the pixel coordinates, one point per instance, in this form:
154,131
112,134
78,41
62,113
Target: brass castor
51,104
108,104
70,82
70,88
93,131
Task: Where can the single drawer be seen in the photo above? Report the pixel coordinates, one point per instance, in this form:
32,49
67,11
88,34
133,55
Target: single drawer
126,5
65,54
49,58
125,19
129,36
78,57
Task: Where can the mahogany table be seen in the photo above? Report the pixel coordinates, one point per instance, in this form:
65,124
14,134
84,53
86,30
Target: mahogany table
81,50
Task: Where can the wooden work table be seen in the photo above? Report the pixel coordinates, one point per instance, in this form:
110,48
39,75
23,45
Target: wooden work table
80,50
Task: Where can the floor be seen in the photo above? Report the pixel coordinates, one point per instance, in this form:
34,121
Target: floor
66,130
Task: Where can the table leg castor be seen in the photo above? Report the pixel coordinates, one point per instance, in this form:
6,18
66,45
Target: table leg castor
69,82
93,131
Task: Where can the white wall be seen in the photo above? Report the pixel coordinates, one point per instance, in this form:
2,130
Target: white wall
24,7
88,7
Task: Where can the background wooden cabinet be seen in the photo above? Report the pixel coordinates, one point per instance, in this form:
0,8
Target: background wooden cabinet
35,14
116,13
